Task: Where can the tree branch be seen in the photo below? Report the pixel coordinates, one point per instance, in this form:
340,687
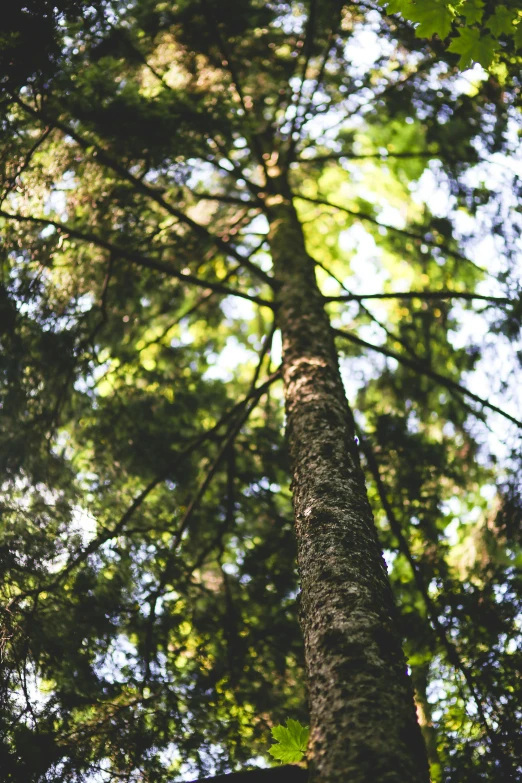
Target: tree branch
368,312
138,258
232,432
227,62
252,396
226,199
318,81
424,369
410,234
418,576
419,295
100,155
264,351
309,42
27,159
369,156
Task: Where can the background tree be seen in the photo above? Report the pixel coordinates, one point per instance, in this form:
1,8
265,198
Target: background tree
159,166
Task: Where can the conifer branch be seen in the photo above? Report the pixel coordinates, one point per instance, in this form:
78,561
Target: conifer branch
248,405
319,78
308,43
228,63
138,258
26,161
448,645
402,231
368,312
424,369
250,399
444,294
102,156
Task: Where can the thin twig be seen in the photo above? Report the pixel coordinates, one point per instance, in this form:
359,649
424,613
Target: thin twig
419,295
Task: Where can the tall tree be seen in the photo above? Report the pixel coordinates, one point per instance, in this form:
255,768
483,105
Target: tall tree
183,185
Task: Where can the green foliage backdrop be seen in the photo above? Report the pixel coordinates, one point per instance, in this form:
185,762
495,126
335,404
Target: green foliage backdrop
148,581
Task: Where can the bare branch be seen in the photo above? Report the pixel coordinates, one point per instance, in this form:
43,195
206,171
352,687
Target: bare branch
420,295
369,156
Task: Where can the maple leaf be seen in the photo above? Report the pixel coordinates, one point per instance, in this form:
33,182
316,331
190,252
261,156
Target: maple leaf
291,742
518,37
501,22
473,48
434,18
471,10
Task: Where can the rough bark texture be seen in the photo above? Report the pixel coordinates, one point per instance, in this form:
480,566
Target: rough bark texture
363,721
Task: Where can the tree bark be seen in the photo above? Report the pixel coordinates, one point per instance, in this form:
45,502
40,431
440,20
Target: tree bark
363,722
286,773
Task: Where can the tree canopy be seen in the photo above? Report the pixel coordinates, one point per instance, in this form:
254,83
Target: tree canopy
150,620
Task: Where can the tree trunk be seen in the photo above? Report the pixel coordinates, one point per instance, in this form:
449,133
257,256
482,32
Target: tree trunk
363,722
286,773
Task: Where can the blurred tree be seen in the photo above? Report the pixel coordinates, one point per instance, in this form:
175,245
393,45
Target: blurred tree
190,191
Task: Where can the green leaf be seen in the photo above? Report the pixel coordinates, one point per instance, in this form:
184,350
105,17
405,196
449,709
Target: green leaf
397,6
518,37
435,18
292,742
471,10
285,755
501,22
473,48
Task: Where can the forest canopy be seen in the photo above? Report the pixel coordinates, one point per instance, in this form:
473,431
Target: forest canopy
149,584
